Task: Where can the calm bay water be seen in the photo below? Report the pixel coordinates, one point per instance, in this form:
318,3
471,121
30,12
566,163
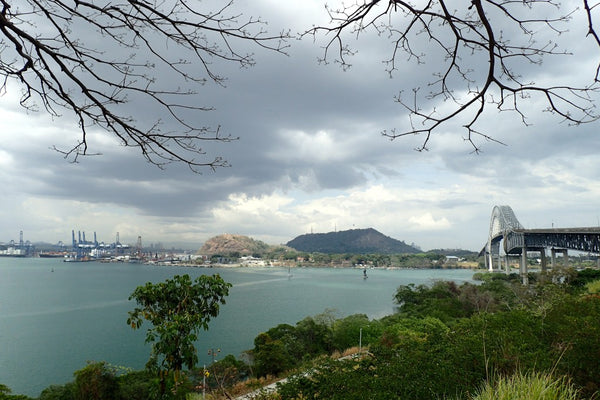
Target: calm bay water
56,316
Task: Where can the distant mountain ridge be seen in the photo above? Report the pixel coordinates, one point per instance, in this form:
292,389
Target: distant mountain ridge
353,241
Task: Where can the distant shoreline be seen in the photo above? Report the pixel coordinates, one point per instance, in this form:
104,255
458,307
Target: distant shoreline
243,265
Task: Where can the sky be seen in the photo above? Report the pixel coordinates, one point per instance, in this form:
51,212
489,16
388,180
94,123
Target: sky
310,155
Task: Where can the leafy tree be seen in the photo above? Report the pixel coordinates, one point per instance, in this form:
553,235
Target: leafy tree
91,58
177,309
347,331
285,346
95,382
271,356
136,385
58,392
441,300
479,50
313,336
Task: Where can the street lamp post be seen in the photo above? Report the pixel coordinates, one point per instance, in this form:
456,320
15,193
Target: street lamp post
212,353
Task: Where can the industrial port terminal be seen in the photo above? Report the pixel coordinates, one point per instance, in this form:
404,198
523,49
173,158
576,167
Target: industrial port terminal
82,249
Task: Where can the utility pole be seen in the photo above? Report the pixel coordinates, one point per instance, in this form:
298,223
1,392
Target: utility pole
360,341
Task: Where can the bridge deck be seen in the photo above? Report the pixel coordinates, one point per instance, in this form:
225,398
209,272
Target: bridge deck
581,239
561,230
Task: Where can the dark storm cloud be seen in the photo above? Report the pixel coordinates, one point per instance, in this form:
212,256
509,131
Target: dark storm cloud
309,130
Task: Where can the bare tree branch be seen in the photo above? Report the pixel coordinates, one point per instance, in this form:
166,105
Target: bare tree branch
482,64
45,46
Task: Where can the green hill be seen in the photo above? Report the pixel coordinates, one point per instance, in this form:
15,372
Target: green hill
354,241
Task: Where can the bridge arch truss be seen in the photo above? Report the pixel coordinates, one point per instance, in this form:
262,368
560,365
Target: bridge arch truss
506,229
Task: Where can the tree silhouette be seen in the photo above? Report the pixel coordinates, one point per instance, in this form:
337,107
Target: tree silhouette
485,46
100,58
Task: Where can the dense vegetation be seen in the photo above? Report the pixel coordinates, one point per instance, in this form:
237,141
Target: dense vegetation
446,341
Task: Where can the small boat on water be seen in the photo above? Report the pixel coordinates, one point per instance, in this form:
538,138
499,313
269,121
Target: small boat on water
71,258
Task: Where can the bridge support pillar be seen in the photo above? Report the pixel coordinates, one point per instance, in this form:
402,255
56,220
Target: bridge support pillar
543,259
565,253
506,264
523,269
553,258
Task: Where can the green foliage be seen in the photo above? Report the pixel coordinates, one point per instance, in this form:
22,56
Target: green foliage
97,381
447,339
285,346
421,358
347,332
177,309
5,394
573,334
271,356
442,300
531,386
59,392
449,301
585,276
137,385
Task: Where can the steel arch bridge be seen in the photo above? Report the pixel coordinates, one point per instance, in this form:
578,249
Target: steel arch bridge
506,230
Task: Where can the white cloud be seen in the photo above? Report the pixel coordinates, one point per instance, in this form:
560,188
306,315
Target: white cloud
427,222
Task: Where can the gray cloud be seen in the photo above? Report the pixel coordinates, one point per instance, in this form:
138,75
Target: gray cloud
309,154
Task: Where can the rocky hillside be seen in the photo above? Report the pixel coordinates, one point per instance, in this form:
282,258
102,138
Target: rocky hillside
354,241
227,244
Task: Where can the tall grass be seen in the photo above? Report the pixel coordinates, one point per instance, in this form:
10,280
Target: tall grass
530,386
593,287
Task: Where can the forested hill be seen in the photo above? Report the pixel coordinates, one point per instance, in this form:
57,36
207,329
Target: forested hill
354,241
